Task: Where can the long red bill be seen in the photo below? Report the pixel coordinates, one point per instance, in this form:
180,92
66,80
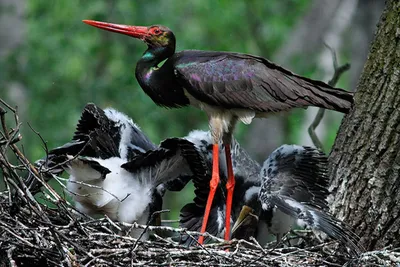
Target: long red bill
139,32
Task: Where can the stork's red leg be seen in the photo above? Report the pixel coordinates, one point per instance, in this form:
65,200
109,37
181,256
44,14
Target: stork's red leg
230,186
213,187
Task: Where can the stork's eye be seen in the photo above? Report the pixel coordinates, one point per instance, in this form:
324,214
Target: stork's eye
157,31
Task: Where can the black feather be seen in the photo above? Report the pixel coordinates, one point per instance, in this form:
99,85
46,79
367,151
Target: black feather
191,218
298,172
172,149
233,80
97,135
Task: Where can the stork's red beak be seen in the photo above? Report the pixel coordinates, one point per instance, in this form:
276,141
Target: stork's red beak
138,32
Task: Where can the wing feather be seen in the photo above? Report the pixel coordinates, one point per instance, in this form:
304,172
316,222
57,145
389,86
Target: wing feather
233,80
99,134
310,217
174,158
298,172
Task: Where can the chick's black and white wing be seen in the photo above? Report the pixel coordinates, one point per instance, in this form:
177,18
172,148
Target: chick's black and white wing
174,158
246,172
294,181
298,172
310,217
191,215
99,134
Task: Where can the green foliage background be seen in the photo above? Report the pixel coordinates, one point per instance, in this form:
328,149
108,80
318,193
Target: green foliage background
64,63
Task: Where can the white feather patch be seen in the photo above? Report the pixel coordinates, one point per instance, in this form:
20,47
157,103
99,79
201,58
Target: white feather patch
254,190
245,116
120,195
125,125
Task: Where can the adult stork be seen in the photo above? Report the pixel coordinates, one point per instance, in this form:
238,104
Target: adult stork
227,86
115,170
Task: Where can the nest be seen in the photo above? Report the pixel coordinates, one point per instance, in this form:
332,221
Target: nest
55,234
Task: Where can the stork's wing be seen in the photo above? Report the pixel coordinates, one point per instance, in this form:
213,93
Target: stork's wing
105,134
310,217
99,134
175,158
233,80
94,133
130,138
298,172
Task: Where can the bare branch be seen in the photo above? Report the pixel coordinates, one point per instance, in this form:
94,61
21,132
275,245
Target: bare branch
339,70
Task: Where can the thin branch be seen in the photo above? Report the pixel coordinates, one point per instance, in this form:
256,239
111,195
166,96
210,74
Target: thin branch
338,71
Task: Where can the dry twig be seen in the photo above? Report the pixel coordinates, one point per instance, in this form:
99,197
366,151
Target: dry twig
338,71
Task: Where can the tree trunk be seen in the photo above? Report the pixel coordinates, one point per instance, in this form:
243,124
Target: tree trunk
365,160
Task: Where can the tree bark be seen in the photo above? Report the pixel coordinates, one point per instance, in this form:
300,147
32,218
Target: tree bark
365,159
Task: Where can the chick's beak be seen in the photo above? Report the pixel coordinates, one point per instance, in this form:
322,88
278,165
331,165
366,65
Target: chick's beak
246,224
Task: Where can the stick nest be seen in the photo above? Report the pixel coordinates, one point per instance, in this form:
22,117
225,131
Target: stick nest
55,234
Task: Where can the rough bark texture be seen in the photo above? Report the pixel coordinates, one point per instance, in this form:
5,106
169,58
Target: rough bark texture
365,160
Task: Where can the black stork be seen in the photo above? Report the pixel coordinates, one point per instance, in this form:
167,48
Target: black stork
227,86
115,170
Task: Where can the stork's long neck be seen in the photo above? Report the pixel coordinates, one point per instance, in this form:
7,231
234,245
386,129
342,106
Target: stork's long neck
147,66
158,81
153,56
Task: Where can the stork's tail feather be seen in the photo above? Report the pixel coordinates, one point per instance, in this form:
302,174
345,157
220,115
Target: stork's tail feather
333,98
